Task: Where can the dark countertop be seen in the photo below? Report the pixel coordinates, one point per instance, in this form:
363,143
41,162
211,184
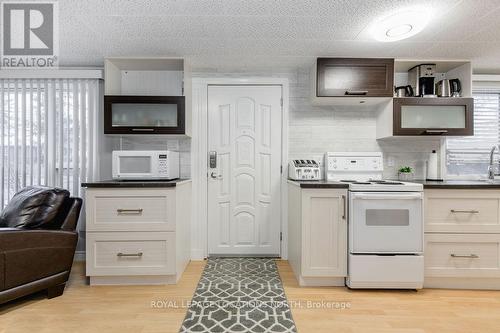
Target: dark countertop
134,183
318,184
449,184
459,184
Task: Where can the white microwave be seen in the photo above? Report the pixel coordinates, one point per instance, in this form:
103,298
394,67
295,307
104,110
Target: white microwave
145,165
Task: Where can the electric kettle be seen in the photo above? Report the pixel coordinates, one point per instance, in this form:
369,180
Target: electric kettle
404,91
449,88
443,88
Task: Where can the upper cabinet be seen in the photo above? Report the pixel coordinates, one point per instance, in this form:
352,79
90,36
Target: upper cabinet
144,114
351,81
433,116
147,96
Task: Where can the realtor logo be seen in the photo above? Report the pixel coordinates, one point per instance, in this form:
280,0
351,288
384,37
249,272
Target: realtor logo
30,36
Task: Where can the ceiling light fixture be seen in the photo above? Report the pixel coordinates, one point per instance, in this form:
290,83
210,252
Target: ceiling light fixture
400,25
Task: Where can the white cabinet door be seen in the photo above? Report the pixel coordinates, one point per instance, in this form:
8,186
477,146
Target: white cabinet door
324,232
244,140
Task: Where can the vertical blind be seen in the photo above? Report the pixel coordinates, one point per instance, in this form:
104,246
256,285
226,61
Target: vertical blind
469,156
48,133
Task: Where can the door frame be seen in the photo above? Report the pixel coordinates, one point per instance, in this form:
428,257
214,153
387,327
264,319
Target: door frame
199,153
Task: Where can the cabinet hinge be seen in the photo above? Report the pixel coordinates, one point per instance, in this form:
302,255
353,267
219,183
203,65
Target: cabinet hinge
281,169
281,102
281,236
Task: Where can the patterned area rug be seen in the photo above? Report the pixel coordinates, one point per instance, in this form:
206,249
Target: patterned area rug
239,295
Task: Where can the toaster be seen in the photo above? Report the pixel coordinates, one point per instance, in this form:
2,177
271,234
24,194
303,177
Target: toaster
304,170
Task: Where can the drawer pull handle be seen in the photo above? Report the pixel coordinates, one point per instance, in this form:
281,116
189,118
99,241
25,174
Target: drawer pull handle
473,211
344,204
119,254
470,256
129,211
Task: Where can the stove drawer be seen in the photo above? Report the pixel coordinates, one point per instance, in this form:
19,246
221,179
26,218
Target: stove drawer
462,211
462,255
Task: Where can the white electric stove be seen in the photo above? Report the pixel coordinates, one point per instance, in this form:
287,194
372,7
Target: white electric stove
385,223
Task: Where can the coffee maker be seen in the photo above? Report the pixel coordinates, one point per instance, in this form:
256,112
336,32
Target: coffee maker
421,78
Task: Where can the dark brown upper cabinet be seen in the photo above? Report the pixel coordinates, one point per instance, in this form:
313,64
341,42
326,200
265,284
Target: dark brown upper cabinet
144,114
354,77
433,116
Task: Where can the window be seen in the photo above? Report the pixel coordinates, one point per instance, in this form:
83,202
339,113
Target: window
468,157
47,133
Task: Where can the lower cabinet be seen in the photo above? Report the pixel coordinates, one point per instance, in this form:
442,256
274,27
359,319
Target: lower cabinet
137,235
317,235
462,239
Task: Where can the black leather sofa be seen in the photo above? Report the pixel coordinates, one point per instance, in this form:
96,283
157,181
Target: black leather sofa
37,242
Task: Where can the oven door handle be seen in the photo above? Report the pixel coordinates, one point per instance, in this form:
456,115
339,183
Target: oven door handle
399,196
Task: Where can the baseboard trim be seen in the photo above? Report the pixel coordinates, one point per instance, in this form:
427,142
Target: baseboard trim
197,254
79,256
321,281
462,283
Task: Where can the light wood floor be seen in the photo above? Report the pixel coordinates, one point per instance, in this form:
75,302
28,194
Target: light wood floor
128,309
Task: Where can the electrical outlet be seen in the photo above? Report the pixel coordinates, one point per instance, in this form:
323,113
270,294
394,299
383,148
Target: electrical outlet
391,162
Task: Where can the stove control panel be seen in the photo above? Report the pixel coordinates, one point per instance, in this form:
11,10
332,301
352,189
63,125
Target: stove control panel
353,166
304,169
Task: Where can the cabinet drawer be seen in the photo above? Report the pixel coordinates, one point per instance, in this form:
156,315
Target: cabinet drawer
122,253
462,255
462,211
131,210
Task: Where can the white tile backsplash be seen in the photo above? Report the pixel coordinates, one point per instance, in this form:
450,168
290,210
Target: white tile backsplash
314,130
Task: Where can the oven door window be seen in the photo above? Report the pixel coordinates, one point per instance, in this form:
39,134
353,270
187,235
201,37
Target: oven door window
386,223
388,217
135,164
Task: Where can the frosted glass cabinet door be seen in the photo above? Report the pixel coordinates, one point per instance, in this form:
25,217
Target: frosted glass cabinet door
349,77
433,116
144,114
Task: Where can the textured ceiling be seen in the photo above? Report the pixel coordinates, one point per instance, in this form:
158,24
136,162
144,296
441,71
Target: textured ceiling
226,35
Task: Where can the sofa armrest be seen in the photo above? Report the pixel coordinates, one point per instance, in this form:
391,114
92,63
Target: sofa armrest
29,255
73,214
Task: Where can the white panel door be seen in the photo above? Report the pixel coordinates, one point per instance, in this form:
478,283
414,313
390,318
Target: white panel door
244,130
